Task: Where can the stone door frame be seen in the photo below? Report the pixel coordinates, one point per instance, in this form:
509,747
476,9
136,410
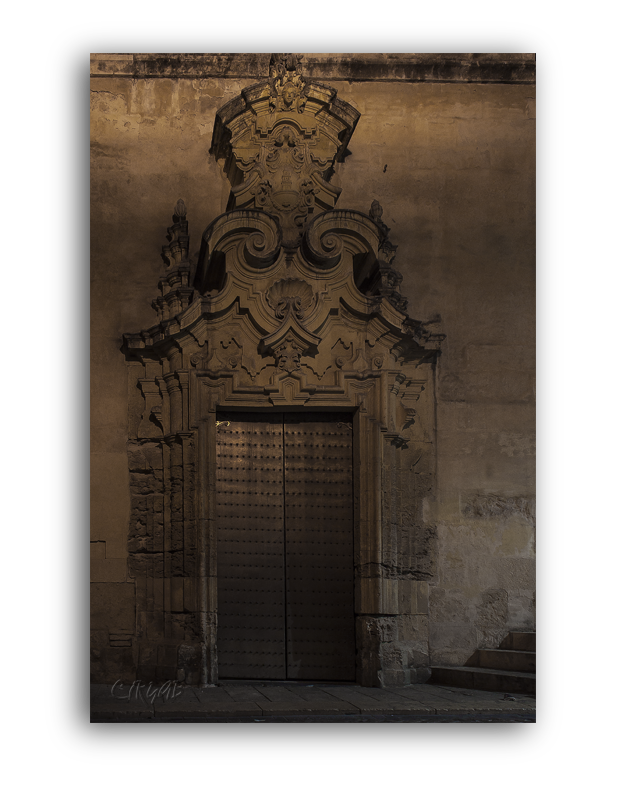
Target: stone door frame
277,329
373,596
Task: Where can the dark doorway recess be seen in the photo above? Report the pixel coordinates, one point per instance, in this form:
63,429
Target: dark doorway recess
285,547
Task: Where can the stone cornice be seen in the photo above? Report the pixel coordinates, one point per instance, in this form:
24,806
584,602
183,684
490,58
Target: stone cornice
481,68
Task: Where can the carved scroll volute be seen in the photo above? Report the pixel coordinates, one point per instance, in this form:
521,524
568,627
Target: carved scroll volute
322,247
260,250
253,236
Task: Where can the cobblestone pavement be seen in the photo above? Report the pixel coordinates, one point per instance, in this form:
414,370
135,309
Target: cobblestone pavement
465,718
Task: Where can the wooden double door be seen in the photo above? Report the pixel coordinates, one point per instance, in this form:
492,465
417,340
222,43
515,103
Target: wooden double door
285,547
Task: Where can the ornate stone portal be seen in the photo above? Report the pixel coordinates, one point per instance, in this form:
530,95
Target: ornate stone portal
293,305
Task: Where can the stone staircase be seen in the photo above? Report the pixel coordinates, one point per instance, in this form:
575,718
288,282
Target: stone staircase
511,668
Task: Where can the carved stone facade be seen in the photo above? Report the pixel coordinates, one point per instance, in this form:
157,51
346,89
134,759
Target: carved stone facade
360,204
295,306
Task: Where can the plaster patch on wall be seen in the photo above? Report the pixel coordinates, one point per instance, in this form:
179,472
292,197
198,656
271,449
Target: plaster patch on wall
481,506
514,444
492,612
109,102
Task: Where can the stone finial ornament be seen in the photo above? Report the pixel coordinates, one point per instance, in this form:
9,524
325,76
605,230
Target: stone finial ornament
287,83
180,211
281,64
176,292
376,211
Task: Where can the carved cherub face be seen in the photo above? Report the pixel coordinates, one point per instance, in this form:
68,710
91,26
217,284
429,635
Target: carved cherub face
288,95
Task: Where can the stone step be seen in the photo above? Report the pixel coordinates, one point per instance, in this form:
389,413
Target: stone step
503,660
484,679
519,641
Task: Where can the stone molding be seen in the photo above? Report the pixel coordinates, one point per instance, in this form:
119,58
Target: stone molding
488,68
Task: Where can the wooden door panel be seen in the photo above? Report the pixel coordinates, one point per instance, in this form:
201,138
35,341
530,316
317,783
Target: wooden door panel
250,549
285,547
319,547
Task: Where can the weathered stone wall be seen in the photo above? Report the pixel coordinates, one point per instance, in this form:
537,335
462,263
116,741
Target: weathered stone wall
453,167
452,164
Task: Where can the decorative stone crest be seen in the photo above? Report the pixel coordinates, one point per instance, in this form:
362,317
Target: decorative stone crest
286,191
287,84
290,296
280,141
291,300
288,355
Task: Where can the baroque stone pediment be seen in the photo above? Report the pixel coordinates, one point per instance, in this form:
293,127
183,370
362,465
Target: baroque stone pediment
281,308
292,302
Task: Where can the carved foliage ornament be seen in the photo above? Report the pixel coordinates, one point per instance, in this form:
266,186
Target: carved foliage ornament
288,355
282,64
291,300
286,189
